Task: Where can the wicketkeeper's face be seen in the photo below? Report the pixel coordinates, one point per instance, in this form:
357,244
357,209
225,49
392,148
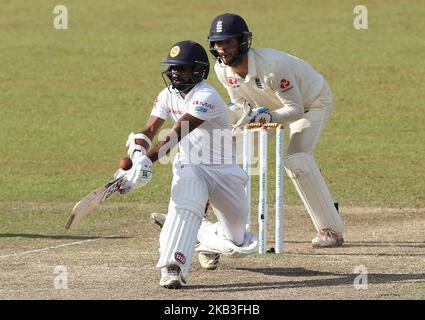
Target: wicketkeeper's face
226,49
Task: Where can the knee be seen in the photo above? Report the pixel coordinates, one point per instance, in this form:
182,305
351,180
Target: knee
237,219
299,164
189,194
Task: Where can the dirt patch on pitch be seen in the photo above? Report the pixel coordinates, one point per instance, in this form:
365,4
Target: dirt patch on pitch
383,258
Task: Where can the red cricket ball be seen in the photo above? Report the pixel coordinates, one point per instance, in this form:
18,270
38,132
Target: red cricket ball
126,163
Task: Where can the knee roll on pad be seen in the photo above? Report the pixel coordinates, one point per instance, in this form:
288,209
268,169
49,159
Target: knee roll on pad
190,194
299,165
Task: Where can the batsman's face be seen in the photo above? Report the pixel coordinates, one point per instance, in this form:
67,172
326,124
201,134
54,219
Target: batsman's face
226,49
180,74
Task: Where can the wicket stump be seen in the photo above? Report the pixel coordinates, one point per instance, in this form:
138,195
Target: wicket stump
262,203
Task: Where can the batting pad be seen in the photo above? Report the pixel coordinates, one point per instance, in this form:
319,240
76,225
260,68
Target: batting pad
312,189
178,239
188,192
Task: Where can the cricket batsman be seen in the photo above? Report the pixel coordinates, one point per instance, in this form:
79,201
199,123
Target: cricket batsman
267,85
204,168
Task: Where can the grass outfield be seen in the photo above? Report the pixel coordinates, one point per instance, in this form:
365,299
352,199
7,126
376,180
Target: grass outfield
69,98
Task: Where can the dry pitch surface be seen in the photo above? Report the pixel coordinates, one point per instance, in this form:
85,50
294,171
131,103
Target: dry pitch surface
118,261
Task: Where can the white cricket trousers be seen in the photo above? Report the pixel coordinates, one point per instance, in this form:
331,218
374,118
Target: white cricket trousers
305,132
225,187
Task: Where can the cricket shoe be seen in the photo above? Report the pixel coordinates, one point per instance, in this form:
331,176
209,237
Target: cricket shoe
158,218
171,277
327,238
208,261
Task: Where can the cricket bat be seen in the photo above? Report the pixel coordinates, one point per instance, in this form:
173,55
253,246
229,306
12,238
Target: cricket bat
93,200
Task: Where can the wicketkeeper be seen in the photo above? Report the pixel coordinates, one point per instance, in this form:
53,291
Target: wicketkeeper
204,168
267,85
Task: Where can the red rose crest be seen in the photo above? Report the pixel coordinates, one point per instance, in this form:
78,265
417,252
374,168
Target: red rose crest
233,82
285,84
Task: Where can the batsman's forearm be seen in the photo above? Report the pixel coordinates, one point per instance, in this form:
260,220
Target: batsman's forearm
150,129
162,148
143,142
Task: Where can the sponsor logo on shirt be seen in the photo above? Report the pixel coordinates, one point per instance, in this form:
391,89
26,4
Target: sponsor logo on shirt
155,102
285,85
180,257
201,109
233,82
203,104
174,111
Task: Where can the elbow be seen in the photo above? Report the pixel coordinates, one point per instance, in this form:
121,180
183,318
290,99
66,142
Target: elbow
298,112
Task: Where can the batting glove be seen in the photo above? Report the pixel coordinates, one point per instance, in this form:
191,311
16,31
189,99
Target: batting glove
138,176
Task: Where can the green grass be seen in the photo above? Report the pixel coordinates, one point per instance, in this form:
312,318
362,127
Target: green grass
69,98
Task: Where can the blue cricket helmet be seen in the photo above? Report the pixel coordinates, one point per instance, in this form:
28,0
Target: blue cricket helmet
188,53
230,26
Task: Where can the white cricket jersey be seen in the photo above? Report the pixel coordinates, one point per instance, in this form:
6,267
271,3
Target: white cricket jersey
276,80
209,144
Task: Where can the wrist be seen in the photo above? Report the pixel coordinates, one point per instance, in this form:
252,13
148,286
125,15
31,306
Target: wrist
144,161
137,155
138,137
137,144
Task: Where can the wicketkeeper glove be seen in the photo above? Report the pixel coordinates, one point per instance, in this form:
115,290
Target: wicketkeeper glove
257,115
138,176
260,115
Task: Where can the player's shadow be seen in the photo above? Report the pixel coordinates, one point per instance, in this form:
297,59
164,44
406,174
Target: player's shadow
374,244
289,272
382,254
57,237
333,279
385,244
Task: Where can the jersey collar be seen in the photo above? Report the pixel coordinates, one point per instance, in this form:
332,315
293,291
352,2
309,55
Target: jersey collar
191,92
